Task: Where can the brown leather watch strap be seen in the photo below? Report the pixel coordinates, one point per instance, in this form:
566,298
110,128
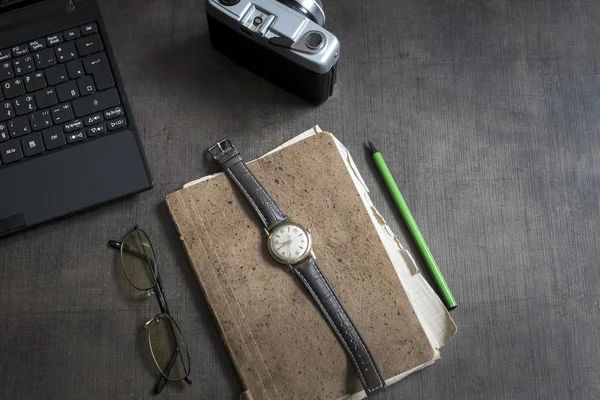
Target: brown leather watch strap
339,321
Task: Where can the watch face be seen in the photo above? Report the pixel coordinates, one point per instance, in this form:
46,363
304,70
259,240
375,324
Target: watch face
289,243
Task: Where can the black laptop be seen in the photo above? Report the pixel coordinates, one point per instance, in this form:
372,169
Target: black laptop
68,141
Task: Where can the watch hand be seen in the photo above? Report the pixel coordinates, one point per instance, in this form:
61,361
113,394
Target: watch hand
285,244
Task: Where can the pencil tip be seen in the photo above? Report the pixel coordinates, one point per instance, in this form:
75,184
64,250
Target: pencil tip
373,148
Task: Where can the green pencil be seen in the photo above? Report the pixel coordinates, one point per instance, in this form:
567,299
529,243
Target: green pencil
438,278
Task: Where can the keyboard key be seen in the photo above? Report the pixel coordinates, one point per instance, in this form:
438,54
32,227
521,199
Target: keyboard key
89,44
23,65
24,104
45,58
55,39
90,28
53,138
75,136
67,91
73,126
56,75
20,50
93,119
10,151
35,81
13,88
113,113
97,65
4,135
19,126
75,69
32,144
40,120
46,98
72,34
5,55
6,71
62,113
97,102
66,52
6,111
36,45
96,130
86,85
116,124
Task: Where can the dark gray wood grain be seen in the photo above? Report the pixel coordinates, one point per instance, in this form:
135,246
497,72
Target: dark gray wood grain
489,116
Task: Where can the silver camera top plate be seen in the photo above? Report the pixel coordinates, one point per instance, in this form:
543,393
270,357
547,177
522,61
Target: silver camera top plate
281,29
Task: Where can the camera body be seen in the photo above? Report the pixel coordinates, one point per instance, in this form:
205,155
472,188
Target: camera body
281,40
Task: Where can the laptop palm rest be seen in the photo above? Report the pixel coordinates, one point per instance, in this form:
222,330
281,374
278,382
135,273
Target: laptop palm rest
70,180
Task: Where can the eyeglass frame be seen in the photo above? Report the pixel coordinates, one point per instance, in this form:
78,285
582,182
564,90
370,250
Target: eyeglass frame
159,290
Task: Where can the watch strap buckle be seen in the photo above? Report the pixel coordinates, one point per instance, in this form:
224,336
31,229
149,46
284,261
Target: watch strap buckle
222,151
223,145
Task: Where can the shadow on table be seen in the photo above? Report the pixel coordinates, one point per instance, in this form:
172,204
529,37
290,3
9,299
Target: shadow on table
404,234
194,68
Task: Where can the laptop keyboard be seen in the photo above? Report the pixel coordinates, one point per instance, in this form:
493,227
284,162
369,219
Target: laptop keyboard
56,91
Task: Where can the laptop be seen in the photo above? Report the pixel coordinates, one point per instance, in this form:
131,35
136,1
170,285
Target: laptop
68,141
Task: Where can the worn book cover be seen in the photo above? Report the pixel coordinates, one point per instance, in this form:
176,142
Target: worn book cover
280,343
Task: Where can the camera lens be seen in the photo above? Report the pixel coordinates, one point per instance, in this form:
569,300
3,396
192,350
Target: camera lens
313,9
257,21
229,2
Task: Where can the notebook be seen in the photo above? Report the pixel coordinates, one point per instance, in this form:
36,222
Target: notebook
279,342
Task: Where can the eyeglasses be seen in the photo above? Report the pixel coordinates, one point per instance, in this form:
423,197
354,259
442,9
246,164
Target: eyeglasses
164,336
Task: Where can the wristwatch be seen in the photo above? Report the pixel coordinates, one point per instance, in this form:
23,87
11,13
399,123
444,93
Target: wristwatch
291,244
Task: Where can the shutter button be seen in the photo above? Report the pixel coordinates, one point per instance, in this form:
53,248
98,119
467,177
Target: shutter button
314,40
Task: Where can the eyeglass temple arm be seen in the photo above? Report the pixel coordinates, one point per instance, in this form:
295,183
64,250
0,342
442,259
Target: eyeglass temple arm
162,381
160,293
